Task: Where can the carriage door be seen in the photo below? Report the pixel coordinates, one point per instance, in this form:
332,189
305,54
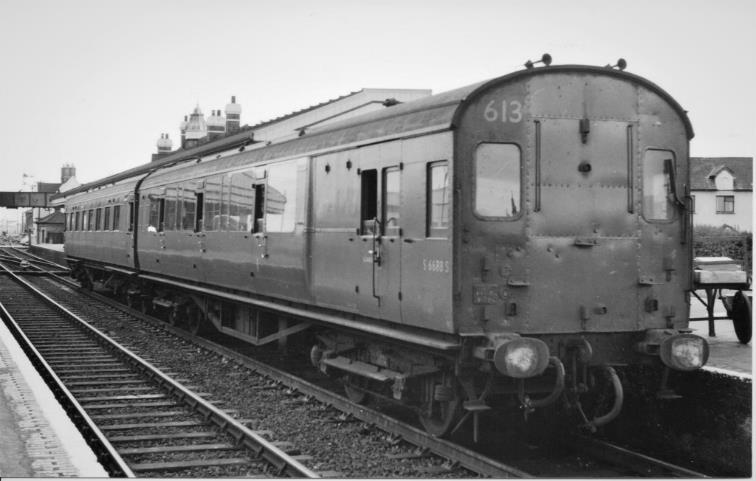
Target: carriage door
380,232
582,222
279,229
663,257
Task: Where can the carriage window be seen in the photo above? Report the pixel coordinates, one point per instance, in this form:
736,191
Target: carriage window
657,188
98,219
90,219
106,219
198,215
213,189
281,197
497,180
437,199
369,203
188,210
240,203
391,199
116,217
153,223
131,216
171,210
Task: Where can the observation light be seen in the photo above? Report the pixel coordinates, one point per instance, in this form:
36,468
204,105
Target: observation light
684,352
521,357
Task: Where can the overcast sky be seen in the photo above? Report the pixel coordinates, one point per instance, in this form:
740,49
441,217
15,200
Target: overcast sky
95,83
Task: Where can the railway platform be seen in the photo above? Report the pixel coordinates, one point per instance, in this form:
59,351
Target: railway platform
37,439
51,252
726,354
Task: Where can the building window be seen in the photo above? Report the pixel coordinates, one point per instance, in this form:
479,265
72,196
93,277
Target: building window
725,204
497,181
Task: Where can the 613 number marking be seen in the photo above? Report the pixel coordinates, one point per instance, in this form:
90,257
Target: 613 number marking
503,111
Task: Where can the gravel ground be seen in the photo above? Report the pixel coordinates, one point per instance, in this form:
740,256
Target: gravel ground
708,429
343,446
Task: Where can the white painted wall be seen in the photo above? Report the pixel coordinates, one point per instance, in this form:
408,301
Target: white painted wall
706,209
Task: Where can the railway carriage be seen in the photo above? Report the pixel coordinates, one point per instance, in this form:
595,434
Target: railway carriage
487,247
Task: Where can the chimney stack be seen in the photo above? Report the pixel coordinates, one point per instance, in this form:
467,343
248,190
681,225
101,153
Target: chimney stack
233,116
216,126
196,129
164,146
66,172
182,128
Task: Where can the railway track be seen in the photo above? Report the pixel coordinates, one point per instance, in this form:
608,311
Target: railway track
139,420
609,460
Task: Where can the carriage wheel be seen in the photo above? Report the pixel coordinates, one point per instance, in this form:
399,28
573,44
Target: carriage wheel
444,411
741,316
354,392
173,316
195,321
145,306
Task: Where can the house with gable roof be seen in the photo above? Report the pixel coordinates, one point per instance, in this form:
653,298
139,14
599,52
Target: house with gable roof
722,190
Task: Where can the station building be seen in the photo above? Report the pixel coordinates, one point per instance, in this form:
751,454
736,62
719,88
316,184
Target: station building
722,188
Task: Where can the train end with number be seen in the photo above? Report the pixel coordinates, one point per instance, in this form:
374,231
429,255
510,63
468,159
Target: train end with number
534,227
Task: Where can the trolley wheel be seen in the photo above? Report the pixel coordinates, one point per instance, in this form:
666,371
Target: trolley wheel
444,412
741,316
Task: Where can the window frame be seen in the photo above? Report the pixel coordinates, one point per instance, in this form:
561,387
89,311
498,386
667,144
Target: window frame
369,200
396,231
725,198
117,217
430,231
674,217
474,164
98,219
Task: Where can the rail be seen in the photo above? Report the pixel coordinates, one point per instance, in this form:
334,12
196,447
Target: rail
284,464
